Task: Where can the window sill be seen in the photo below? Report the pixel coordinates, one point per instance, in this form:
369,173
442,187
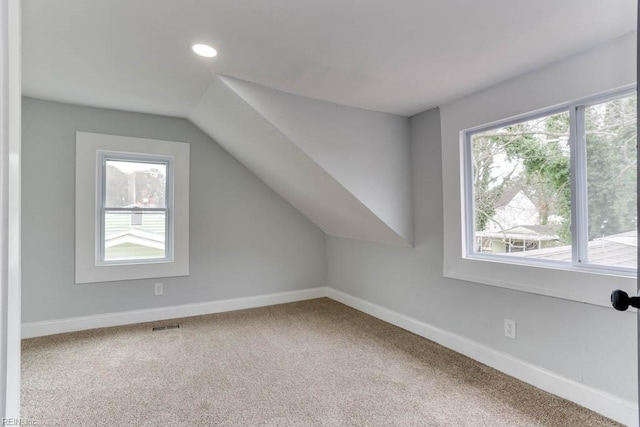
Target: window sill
134,262
565,282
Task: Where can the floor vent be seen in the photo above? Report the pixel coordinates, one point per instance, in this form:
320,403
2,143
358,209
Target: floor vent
162,328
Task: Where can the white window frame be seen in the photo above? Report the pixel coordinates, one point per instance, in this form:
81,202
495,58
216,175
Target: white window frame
90,151
579,201
101,209
576,77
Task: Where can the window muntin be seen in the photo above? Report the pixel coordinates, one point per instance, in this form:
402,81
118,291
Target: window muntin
134,216
536,187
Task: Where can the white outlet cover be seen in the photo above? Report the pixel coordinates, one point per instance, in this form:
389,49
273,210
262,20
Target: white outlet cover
158,289
510,328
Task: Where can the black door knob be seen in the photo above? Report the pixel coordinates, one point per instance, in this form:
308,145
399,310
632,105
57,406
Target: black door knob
620,300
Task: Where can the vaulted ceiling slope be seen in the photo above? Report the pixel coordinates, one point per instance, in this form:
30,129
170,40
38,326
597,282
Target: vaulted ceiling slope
346,169
366,152
324,121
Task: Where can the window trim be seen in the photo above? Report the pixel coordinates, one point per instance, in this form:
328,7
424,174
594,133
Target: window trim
579,201
589,73
102,157
88,146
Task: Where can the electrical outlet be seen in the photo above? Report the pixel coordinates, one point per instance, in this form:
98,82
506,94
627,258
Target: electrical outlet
158,289
510,328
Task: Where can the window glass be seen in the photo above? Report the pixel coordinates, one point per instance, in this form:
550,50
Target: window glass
521,189
135,184
611,134
134,214
559,187
124,241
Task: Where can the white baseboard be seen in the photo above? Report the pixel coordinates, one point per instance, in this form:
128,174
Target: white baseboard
37,329
604,403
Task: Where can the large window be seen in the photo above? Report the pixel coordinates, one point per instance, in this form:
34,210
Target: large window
135,208
132,208
556,188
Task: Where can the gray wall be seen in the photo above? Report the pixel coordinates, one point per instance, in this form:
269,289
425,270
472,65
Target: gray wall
244,239
590,344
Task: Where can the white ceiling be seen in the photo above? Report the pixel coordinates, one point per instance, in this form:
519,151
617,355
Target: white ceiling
400,56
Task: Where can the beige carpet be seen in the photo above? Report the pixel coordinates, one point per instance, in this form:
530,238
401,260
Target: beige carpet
310,363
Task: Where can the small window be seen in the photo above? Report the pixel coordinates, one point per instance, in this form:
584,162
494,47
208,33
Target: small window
135,209
132,208
557,187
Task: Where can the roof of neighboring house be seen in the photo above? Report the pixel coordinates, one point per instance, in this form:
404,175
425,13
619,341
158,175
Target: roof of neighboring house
507,196
118,230
136,237
523,232
616,250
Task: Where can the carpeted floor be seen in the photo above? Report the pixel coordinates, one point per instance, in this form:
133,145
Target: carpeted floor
309,363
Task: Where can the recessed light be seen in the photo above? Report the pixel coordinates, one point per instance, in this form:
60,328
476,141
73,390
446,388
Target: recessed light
204,50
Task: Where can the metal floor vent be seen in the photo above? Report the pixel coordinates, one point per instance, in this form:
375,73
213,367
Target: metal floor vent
162,328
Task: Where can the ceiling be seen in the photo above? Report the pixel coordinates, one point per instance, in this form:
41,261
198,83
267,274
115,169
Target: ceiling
400,57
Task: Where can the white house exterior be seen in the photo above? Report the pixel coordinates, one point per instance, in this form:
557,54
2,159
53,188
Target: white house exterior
514,211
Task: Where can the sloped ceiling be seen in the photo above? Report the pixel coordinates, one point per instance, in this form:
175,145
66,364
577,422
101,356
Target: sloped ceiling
311,96
254,140
365,151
